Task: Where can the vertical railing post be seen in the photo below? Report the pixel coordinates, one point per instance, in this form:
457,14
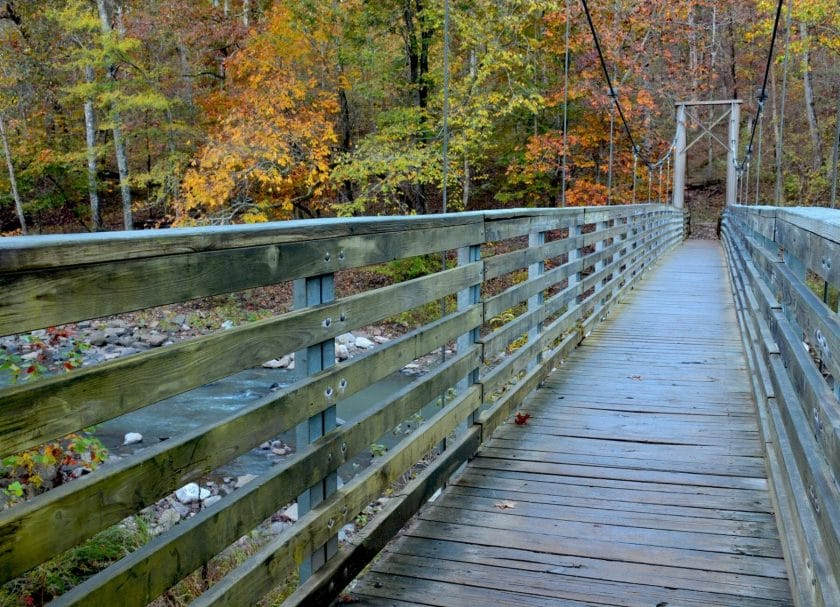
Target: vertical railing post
600,226
679,159
732,153
310,292
535,270
466,298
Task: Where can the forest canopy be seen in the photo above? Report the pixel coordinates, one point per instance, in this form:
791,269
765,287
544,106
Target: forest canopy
120,113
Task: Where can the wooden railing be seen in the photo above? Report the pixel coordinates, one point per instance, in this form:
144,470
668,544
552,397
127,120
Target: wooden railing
578,263
785,266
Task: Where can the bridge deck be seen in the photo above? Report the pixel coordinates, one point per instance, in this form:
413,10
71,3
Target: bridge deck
639,480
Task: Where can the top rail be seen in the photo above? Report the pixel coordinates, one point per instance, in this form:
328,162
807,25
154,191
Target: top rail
527,287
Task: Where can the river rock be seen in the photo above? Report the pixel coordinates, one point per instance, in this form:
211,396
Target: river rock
363,343
132,437
342,352
278,363
291,513
211,500
168,518
179,319
189,493
346,338
381,339
156,340
115,332
97,338
182,510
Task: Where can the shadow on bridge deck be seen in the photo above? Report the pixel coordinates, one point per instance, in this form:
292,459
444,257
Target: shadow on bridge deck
638,481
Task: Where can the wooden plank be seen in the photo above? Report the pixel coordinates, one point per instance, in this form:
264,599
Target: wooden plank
592,546
30,253
499,265
68,294
35,412
594,569
98,500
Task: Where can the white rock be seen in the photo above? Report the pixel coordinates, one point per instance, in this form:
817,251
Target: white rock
243,480
132,437
346,338
278,363
204,494
341,352
363,342
381,339
228,324
189,493
211,500
291,513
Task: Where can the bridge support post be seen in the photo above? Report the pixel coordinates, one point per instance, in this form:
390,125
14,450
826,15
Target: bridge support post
732,154
679,159
466,298
310,292
535,239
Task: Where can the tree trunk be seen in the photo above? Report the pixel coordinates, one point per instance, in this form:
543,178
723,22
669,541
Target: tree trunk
12,181
810,111
90,140
779,190
119,141
732,58
246,10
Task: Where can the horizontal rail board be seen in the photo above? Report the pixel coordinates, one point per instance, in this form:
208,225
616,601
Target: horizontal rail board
61,295
35,412
96,501
32,253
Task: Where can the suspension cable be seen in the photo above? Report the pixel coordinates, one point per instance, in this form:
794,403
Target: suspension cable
762,97
758,158
610,173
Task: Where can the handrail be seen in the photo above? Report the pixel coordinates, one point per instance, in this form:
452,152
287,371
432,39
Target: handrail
785,266
597,253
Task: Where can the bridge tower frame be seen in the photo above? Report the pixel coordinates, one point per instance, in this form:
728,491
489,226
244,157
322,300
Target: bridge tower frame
733,112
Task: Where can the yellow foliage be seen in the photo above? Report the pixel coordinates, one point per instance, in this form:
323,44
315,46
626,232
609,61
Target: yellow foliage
270,153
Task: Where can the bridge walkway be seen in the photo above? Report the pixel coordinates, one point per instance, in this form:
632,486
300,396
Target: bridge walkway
638,481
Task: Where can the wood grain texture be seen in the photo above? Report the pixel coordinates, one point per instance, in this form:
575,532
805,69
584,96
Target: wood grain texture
638,481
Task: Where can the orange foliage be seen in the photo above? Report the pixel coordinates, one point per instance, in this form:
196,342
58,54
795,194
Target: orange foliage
269,155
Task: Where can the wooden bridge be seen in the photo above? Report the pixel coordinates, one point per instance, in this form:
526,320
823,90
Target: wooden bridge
682,445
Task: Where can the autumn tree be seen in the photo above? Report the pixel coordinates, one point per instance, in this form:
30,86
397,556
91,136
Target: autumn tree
268,155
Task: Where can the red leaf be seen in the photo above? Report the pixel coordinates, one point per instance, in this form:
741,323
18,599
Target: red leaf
521,418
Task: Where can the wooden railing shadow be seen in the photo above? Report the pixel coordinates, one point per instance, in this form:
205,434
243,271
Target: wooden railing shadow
578,263
785,267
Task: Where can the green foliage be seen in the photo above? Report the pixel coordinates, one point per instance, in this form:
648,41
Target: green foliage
63,572
409,268
34,471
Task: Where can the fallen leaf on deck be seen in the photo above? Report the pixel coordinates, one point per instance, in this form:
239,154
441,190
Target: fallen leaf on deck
520,419
635,377
505,505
